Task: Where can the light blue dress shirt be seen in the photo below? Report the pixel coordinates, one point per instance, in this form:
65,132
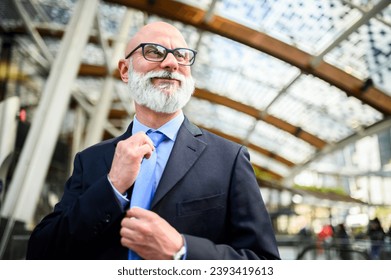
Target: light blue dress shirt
170,129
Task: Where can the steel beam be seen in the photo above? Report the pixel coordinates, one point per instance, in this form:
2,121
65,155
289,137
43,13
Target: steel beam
96,125
33,31
31,170
9,109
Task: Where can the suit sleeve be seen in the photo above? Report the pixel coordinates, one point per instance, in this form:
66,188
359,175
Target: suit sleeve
80,221
250,229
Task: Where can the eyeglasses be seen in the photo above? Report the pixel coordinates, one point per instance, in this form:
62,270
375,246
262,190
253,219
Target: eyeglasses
157,53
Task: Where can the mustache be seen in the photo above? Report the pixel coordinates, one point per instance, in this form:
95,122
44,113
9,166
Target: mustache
165,75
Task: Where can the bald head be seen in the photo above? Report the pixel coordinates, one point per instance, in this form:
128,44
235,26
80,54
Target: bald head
157,32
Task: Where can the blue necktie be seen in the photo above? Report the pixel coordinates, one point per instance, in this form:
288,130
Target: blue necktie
145,185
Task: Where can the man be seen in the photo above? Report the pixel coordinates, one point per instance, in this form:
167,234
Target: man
206,202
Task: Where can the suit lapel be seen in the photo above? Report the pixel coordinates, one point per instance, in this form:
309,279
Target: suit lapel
184,154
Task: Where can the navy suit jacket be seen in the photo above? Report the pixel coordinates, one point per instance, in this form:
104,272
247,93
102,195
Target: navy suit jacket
208,192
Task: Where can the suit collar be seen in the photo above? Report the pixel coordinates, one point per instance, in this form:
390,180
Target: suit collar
170,128
187,149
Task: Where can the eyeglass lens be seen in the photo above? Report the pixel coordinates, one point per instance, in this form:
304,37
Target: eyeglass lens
154,52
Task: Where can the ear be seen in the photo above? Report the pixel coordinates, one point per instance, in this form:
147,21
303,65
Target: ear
123,69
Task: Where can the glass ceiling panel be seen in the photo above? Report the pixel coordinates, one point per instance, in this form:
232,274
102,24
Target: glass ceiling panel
230,84
218,117
58,11
268,163
317,123
92,54
385,15
241,73
366,53
323,110
9,18
111,17
281,143
310,25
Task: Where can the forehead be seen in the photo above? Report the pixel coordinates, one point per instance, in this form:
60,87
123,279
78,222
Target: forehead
165,35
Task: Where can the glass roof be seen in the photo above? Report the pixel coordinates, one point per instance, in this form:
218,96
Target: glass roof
259,85
301,23
281,143
240,72
219,117
323,110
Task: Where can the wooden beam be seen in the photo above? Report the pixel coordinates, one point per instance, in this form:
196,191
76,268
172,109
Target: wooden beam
273,175
259,149
92,70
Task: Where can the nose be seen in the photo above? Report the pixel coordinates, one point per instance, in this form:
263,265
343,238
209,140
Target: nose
170,62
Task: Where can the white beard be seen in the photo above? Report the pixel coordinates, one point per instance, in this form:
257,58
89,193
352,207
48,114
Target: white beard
145,93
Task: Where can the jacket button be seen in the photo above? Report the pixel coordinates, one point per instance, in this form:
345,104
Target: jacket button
107,218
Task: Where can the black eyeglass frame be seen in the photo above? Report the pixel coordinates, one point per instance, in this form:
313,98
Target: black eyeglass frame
142,45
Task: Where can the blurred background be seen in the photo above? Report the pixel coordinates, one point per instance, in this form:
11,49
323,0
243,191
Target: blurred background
305,85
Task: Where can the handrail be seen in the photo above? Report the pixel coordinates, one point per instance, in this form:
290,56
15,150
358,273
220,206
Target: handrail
333,251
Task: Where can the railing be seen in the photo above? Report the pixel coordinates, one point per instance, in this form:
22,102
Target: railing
296,248
331,252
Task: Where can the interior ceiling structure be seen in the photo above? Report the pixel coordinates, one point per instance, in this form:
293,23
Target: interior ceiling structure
292,80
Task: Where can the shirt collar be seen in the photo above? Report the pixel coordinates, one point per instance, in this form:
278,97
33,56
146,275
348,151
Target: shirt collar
170,129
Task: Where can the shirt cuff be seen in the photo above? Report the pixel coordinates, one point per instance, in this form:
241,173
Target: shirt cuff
184,244
122,198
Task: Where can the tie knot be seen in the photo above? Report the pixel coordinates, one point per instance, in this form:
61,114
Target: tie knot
156,136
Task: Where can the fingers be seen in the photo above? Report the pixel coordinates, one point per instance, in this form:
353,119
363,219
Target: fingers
138,145
149,235
140,213
134,227
141,138
127,160
138,219
136,232
131,228
146,146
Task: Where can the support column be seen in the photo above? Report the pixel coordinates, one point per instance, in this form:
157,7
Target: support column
101,111
31,170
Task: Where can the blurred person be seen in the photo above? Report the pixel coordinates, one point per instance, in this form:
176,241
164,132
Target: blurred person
324,238
342,240
376,235
326,234
305,235
386,252
203,200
